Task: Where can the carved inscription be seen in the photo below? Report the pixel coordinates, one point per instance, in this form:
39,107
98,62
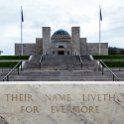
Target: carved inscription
29,109
61,103
23,98
75,109
58,97
66,103
19,97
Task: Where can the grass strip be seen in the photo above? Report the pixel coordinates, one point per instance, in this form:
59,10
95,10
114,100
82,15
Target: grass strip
115,64
14,57
7,64
110,57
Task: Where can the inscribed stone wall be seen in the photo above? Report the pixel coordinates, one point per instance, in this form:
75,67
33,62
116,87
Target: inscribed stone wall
62,103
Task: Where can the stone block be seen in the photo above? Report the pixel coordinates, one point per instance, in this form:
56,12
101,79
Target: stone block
62,103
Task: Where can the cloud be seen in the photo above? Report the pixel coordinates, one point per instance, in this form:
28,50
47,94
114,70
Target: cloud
61,14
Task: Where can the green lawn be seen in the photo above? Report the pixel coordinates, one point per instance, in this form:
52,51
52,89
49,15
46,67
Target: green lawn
112,61
14,57
11,61
114,64
110,57
7,64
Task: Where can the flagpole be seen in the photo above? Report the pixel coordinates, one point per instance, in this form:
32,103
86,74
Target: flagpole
21,33
100,30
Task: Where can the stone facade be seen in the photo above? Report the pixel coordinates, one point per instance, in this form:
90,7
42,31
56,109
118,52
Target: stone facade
28,49
83,46
94,48
61,43
39,45
59,103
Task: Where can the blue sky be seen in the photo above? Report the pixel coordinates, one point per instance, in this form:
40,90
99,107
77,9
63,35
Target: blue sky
61,15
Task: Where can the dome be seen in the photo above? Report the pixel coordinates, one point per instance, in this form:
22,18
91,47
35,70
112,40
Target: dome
61,34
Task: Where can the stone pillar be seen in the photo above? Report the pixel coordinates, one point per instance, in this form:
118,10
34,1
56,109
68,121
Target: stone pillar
46,33
39,46
75,40
83,47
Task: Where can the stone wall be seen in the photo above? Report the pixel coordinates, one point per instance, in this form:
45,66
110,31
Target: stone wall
39,45
94,48
28,49
83,46
62,103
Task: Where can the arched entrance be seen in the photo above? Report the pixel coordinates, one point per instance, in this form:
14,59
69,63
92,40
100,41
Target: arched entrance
61,50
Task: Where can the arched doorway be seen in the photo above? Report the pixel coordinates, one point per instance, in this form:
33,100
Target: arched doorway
61,50
61,46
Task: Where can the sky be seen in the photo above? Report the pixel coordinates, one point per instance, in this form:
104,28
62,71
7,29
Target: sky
61,14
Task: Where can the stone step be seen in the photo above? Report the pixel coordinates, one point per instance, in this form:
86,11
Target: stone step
61,76
61,63
67,62
61,68
64,75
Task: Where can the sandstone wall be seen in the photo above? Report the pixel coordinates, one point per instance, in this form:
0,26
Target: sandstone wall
94,48
28,49
39,46
83,46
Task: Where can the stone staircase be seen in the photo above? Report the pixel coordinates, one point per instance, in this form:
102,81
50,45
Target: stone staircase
4,72
89,64
63,75
68,63
60,68
33,63
60,63
118,72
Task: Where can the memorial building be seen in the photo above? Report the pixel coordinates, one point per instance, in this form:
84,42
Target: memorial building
61,43
63,56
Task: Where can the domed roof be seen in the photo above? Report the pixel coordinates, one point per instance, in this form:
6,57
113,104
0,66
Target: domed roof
61,34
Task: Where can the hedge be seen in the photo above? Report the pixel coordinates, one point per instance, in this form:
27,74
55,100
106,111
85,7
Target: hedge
115,64
7,64
110,57
14,57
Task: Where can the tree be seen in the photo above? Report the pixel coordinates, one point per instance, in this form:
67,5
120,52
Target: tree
115,50
1,52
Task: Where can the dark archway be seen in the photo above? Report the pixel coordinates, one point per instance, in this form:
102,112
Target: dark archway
61,52
61,46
